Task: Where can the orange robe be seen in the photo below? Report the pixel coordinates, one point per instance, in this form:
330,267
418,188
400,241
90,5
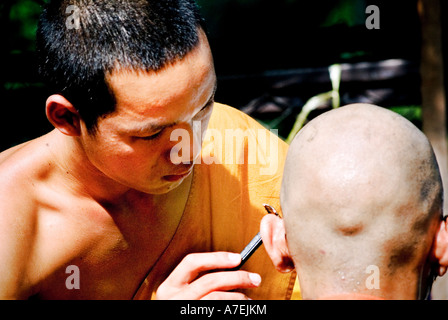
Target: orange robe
225,205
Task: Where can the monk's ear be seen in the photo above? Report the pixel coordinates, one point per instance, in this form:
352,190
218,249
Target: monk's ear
440,248
63,115
273,234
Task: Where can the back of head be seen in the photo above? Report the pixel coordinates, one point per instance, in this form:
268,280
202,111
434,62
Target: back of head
80,42
361,188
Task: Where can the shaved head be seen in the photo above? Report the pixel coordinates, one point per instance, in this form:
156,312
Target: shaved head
361,187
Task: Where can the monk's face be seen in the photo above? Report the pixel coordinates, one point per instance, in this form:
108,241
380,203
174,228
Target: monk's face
133,144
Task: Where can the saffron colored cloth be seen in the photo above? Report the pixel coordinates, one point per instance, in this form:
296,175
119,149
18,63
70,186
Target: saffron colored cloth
225,205
351,296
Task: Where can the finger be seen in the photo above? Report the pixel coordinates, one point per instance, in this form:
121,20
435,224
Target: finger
222,281
193,264
224,295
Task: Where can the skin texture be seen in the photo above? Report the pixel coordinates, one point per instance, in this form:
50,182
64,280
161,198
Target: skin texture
99,200
361,188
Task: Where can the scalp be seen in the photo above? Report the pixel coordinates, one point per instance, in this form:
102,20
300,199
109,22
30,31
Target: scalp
359,154
359,177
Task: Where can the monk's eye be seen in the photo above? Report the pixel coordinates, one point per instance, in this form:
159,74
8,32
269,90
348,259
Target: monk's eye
152,136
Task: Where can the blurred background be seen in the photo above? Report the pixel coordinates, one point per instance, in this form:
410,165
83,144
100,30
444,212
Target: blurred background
273,56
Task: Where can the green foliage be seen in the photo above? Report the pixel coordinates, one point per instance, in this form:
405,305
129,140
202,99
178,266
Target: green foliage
18,19
22,20
348,12
413,113
319,100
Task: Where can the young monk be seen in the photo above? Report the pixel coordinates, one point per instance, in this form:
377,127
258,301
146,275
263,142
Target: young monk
118,195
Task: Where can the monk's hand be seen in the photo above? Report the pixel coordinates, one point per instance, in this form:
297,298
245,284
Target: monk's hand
204,276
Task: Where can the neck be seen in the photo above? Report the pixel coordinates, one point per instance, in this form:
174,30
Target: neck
400,286
71,168
80,174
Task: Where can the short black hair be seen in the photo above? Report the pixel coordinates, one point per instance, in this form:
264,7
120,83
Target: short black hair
80,42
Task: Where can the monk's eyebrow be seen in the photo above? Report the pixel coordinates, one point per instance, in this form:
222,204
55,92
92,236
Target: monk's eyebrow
156,127
152,128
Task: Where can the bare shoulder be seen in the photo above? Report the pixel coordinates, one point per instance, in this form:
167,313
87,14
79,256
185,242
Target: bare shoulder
19,170
4,155
19,167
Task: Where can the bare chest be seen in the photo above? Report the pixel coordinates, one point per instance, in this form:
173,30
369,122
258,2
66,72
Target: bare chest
98,253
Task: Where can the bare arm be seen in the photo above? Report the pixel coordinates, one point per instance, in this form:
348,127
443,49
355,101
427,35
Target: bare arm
17,233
